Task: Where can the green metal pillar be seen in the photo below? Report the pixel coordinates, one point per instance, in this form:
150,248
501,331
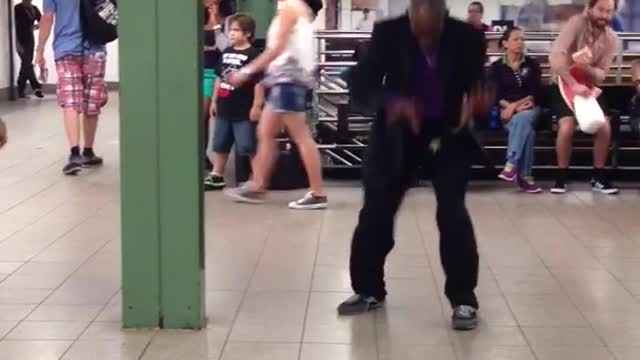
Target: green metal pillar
262,11
161,164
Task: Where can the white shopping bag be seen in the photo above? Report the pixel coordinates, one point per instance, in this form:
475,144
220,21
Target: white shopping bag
588,113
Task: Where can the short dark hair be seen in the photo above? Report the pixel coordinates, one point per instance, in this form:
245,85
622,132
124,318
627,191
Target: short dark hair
478,4
593,3
507,34
245,22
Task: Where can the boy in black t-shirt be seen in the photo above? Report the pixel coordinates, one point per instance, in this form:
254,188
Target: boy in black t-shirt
236,110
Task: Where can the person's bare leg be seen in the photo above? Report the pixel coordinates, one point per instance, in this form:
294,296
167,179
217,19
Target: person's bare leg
206,114
299,132
262,164
601,142
219,163
90,127
72,127
564,141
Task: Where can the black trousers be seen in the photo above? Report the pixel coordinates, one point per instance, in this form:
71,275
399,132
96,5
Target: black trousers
393,156
27,72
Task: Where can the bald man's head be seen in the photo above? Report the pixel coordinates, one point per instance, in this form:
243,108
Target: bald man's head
427,16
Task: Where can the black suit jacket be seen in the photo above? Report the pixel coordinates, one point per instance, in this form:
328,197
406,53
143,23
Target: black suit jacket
388,67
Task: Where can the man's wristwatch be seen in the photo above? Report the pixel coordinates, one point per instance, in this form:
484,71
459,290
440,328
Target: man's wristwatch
217,27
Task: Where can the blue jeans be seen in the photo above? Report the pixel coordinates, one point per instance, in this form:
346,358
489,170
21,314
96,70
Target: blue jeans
288,98
238,131
522,139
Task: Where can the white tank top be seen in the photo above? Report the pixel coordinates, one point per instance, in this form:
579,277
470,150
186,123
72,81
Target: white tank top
298,61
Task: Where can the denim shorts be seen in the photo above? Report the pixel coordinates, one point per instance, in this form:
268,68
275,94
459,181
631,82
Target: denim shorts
288,98
229,131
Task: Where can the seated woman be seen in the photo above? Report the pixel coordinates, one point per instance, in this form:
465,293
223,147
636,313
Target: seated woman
518,78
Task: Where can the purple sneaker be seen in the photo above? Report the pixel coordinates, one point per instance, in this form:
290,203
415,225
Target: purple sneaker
528,185
509,173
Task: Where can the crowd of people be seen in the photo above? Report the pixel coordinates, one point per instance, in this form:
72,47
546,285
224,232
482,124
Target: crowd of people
257,95
518,81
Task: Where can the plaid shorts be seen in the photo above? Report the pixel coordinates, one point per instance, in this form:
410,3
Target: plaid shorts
81,84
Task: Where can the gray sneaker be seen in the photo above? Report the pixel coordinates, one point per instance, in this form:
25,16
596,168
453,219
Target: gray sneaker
91,161
359,304
464,317
309,202
74,166
246,194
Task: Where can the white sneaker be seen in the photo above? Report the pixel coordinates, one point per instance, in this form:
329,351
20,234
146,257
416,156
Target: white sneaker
309,202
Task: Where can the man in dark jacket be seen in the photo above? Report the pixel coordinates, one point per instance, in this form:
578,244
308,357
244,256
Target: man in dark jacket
26,15
424,72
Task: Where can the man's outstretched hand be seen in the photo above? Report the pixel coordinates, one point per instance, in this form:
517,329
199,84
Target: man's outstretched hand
478,101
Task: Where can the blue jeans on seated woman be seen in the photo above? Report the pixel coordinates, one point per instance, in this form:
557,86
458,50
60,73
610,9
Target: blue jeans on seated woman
522,139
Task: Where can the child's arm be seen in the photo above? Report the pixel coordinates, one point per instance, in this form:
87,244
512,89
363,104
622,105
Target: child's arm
258,102
213,110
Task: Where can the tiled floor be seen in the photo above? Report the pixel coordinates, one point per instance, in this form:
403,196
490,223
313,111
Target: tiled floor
560,276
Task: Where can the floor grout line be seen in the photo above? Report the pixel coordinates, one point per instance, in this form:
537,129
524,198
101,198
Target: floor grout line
313,272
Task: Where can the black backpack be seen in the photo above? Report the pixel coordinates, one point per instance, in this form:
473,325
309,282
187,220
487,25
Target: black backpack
99,21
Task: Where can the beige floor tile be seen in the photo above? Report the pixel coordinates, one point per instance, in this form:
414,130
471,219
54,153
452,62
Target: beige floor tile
498,352
417,352
64,313
545,310
338,352
331,278
32,282
487,335
48,330
106,350
113,331
9,267
323,325
264,311
572,352
410,331
222,307
283,277
619,336
561,336
110,313
496,312
15,312
23,296
6,326
193,345
626,353
32,350
260,351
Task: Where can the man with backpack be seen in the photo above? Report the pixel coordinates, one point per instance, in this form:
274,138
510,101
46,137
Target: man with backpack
82,28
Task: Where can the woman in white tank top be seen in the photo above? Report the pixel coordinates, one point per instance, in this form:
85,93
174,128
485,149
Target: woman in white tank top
289,66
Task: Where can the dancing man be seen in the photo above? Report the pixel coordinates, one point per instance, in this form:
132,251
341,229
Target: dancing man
433,83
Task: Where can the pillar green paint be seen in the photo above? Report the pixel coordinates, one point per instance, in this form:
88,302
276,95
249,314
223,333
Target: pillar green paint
140,201
262,11
180,167
161,162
